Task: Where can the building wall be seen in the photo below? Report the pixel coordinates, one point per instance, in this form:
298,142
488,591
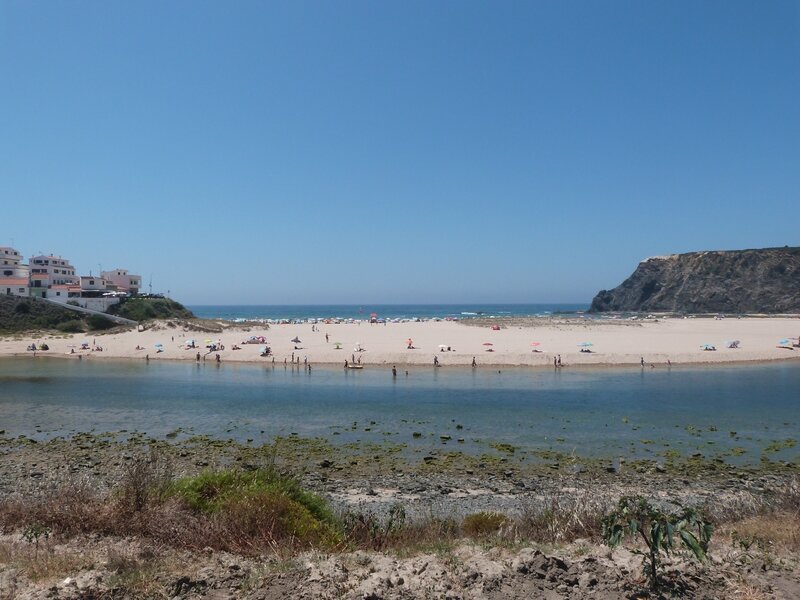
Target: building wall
59,271
14,286
100,304
124,281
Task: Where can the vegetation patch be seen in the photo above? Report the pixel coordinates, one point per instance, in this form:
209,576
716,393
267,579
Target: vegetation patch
484,524
505,448
145,309
259,503
19,315
779,445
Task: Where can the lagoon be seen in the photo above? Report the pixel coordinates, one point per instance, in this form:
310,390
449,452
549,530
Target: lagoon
740,413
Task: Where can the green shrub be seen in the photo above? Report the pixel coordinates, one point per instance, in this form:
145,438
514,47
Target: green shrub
259,504
483,524
143,309
99,322
635,516
72,326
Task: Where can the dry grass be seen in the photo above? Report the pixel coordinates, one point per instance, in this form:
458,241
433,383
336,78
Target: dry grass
46,564
243,512
737,589
559,517
775,530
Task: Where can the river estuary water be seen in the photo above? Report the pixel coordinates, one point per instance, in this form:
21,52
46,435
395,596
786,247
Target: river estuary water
740,413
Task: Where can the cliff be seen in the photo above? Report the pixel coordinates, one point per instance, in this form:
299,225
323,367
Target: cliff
734,281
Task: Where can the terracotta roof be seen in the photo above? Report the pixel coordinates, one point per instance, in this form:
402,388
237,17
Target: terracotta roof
13,281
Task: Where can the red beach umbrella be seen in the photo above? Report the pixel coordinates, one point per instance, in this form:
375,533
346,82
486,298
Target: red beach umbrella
488,344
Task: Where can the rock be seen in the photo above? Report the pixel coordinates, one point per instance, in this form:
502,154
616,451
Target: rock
587,580
736,281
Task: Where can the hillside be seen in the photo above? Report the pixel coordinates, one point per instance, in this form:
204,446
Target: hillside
19,315
734,281
145,308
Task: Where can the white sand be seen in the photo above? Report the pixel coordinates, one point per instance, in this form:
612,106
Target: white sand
614,342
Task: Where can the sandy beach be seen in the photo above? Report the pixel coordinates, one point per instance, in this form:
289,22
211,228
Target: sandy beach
528,342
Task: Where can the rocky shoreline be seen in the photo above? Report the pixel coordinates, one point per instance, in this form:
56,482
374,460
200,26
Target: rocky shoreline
362,481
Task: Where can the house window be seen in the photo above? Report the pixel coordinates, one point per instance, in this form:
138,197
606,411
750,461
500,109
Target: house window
21,290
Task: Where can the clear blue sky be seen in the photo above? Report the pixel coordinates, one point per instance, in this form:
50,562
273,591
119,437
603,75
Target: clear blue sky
367,152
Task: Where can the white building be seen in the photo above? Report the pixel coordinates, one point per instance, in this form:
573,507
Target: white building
47,271
124,281
14,277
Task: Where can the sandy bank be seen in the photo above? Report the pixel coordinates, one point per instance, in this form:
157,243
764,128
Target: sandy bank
536,343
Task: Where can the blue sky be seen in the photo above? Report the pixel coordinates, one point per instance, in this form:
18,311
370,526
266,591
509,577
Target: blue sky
395,152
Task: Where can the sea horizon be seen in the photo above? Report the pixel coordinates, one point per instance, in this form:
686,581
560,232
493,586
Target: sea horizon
292,312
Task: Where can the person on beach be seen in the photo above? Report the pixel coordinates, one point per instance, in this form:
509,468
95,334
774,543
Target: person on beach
197,358
474,363
435,361
559,360
641,360
326,338
147,358
218,358
555,362
394,370
345,363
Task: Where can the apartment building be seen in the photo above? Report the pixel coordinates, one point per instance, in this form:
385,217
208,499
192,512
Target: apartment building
14,276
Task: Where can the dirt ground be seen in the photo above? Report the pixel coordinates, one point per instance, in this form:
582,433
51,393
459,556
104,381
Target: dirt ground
755,559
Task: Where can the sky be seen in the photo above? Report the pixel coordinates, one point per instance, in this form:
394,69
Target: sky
396,152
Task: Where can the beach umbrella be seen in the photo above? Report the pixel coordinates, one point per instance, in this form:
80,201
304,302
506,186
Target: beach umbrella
536,343
783,341
585,344
207,342
296,340
488,344
159,345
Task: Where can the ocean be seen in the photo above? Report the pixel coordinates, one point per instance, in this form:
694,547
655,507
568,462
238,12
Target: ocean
736,413
383,311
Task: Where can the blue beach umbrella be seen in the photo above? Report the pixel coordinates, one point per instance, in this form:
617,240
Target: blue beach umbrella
585,344
783,341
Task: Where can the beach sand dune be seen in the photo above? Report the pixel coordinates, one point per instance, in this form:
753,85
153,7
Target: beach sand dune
535,342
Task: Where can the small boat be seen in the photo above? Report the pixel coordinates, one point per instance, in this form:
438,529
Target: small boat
354,366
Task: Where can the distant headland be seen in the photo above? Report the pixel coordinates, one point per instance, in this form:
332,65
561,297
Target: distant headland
760,281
